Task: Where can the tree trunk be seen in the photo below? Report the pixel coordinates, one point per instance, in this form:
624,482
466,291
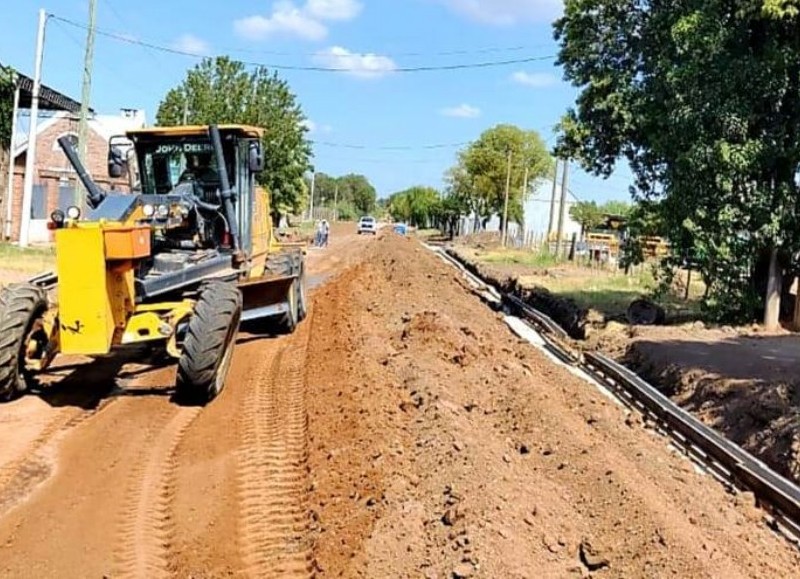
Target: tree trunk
773,300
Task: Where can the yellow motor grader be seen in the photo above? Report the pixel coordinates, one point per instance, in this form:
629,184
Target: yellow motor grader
176,264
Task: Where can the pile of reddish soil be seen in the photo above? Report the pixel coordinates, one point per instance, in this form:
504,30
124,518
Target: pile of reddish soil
443,446
741,383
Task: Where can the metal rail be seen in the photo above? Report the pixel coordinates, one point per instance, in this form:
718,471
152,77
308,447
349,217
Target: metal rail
724,459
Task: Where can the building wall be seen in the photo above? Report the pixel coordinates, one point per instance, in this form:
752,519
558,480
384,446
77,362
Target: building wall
53,170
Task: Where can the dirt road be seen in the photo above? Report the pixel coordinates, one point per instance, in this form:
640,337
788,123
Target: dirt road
402,431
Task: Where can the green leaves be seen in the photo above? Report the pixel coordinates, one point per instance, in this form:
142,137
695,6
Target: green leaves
221,90
7,85
352,190
418,206
480,176
702,98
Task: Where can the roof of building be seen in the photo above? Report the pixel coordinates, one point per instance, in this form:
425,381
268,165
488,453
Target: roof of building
49,99
191,130
106,126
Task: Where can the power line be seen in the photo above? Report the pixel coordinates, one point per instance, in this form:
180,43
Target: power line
451,52
391,147
406,69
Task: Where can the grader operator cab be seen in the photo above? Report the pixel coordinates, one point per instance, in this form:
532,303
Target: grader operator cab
176,265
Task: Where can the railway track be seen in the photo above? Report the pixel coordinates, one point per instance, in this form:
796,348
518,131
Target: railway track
729,463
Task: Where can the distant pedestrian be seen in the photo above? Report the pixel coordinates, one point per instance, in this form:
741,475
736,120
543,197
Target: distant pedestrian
326,231
318,234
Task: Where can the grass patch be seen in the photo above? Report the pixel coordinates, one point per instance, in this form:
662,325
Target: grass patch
525,258
606,291
27,260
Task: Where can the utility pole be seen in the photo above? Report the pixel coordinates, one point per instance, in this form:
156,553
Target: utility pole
505,205
562,209
552,221
30,156
336,202
311,204
523,196
83,126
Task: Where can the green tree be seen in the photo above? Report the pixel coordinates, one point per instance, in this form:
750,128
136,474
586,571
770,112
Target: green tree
324,188
587,214
220,90
614,207
357,190
483,169
8,79
701,98
354,193
419,206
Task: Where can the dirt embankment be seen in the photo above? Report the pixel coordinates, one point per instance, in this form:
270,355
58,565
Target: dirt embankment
740,381
743,383
442,446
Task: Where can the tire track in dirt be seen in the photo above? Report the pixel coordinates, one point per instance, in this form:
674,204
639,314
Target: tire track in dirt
146,528
274,537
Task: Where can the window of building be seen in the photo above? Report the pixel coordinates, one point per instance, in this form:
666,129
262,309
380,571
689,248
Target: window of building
73,139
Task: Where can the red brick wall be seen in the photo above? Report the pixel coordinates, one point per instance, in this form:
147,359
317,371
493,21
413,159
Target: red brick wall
52,164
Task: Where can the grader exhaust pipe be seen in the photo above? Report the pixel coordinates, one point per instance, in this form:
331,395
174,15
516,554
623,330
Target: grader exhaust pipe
95,195
226,193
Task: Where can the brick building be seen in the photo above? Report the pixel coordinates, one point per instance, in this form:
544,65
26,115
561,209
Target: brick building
54,179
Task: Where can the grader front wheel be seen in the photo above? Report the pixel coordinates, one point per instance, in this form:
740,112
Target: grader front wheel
209,342
22,307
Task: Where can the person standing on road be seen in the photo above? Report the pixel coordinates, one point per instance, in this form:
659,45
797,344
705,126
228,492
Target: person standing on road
326,230
318,234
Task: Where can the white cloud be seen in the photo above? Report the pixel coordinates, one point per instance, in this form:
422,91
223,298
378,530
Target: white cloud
305,21
360,65
192,44
316,129
534,79
463,111
507,12
333,9
286,20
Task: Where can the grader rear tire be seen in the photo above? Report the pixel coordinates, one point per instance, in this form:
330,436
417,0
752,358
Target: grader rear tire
21,309
209,342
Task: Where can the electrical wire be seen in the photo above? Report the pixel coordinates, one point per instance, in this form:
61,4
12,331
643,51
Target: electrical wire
402,69
390,147
451,52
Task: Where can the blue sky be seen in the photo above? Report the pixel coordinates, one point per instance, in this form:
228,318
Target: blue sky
369,105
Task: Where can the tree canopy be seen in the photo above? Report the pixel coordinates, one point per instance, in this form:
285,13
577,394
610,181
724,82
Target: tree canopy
353,192
220,90
7,80
482,170
419,206
703,100
587,214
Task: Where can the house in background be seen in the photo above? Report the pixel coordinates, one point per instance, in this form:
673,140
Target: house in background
536,212
536,216
55,180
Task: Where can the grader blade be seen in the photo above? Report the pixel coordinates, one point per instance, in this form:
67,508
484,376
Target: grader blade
266,297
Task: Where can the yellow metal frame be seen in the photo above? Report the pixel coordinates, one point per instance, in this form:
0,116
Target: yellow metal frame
96,262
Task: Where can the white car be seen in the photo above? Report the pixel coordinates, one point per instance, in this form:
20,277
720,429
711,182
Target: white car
367,224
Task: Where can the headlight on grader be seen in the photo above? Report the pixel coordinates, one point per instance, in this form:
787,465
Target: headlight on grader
148,210
163,211
74,212
56,219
